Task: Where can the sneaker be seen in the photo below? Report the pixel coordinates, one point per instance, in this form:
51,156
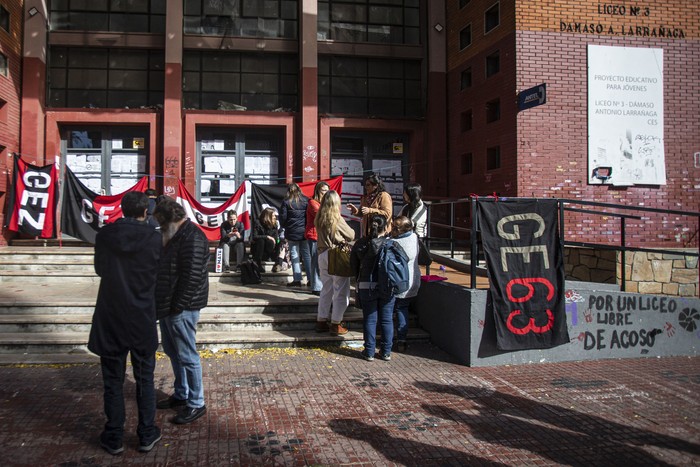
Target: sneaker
147,447
367,356
171,403
322,326
385,356
316,292
275,268
227,269
294,284
338,329
111,446
189,414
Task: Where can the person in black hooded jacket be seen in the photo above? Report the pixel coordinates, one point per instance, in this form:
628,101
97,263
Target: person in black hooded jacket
182,290
293,221
126,259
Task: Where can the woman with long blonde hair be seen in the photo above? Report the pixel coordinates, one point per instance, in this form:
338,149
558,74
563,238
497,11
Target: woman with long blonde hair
311,237
332,230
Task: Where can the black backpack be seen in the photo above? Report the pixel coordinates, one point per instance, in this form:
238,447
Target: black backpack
250,273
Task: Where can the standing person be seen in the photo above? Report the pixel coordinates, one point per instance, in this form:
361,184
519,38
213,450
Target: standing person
152,197
332,230
266,239
363,260
375,201
232,232
415,209
182,291
311,235
126,259
402,233
293,221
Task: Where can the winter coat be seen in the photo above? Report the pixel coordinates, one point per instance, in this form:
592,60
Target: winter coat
226,228
261,231
126,259
419,218
409,243
327,239
311,211
363,259
293,219
183,277
380,204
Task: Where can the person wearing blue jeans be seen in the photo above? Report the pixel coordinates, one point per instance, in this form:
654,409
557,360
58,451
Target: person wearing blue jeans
402,233
293,220
182,290
314,276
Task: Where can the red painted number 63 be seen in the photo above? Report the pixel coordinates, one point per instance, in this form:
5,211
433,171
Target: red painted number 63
531,326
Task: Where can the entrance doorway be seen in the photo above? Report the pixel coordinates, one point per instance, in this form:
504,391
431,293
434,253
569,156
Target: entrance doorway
357,154
227,157
107,160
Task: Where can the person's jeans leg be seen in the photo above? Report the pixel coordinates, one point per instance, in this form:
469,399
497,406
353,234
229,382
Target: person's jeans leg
226,254
184,329
305,251
341,297
167,335
369,322
385,309
143,367
316,283
326,298
296,264
239,247
113,370
401,308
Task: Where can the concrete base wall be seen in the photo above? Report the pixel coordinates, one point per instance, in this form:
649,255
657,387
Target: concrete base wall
602,323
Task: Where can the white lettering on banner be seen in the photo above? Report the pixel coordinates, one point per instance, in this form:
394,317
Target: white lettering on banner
34,198
31,179
525,251
37,224
516,230
86,211
102,216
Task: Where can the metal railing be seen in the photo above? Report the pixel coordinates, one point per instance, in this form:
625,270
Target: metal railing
619,211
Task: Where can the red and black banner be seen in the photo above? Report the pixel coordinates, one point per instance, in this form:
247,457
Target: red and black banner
264,196
32,201
84,212
526,272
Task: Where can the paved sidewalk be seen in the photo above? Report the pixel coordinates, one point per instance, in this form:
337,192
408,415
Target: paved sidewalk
329,407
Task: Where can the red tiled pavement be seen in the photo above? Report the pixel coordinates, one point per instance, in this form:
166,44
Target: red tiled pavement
329,407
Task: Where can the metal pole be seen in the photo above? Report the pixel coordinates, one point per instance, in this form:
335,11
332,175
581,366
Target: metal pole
452,230
474,253
622,254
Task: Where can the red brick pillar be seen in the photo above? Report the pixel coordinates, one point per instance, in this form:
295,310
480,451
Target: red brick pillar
172,107
308,84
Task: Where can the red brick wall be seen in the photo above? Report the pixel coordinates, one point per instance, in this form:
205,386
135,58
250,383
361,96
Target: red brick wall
10,46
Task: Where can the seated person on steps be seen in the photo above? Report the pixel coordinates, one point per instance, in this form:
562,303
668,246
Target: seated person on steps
232,237
266,240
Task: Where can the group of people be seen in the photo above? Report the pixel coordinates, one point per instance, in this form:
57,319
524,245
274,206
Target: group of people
149,275
153,264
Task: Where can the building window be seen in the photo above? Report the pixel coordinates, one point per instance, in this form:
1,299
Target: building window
492,18
463,3
465,37
370,86
382,21
466,121
105,78
246,18
467,163
4,19
493,110
465,79
493,63
239,81
113,16
493,158
3,65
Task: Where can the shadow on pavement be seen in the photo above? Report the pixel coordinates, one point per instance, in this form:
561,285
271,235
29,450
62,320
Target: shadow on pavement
522,423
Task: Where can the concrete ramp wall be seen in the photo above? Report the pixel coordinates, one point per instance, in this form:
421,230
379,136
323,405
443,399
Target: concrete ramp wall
602,322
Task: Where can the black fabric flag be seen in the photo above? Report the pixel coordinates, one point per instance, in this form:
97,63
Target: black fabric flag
31,204
264,196
526,272
84,212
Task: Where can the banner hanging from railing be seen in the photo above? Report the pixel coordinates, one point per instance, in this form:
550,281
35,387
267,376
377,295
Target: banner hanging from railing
526,272
209,219
32,199
84,212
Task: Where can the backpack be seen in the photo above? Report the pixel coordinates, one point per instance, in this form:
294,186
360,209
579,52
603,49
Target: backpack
393,276
250,273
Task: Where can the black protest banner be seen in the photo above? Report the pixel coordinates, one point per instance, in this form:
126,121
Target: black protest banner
264,196
32,200
526,272
84,212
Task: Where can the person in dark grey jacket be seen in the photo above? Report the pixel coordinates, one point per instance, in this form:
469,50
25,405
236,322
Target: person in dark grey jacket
182,291
293,221
126,259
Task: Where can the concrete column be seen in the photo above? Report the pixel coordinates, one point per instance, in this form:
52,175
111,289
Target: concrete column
172,107
308,84
34,83
435,180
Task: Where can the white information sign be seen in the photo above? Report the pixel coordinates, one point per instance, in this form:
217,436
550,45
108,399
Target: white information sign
626,116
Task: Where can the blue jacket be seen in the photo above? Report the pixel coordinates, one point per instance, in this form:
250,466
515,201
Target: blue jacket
293,219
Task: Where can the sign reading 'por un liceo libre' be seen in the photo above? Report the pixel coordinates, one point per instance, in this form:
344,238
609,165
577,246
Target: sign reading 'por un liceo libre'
634,13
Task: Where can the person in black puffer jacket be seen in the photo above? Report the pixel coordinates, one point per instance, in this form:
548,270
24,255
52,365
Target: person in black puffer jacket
293,221
182,290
